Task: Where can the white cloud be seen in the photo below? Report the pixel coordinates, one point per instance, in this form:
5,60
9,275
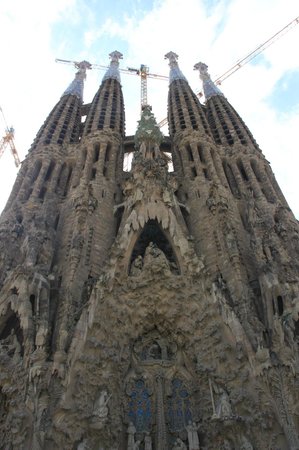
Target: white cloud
32,82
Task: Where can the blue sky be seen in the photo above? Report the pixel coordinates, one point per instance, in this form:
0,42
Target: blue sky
285,95
264,92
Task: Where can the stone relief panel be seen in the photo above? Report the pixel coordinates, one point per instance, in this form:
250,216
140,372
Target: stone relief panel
159,401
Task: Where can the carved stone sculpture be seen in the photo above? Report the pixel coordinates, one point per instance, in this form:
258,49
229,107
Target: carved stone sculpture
179,445
101,408
193,440
131,436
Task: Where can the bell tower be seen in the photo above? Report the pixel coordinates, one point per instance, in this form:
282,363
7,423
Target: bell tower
153,309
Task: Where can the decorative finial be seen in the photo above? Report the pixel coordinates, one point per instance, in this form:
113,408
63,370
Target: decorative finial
148,130
77,85
175,72
113,71
209,87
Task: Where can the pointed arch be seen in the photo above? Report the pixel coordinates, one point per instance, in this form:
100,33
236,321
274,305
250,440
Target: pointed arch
10,325
153,233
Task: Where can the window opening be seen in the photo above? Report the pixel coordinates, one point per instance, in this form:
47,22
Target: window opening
128,157
32,301
96,153
280,305
107,153
193,172
189,153
50,170
242,170
231,179
140,411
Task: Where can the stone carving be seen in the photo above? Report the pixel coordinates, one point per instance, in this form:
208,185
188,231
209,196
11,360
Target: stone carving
101,408
12,346
155,259
136,266
147,441
154,348
216,200
179,445
131,436
69,338
226,445
245,444
193,440
222,408
83,445
75,253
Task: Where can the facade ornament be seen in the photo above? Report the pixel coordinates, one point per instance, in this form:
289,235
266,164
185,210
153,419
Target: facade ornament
193,440
101,408
216,201
209,87
83,445
113,70
148,136
179,445
136,266
155,259
245,444
131,436
147,441
224,409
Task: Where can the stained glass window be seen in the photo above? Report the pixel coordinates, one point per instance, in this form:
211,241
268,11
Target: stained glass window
178,406
140,407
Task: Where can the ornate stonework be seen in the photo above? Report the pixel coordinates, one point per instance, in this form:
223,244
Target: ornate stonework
155,309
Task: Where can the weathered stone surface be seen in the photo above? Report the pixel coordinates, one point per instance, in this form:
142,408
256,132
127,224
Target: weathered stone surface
148,310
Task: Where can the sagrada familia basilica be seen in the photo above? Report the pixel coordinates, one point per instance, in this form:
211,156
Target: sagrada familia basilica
150,309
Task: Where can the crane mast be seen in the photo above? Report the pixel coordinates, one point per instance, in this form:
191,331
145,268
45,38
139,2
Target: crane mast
8,141
143,72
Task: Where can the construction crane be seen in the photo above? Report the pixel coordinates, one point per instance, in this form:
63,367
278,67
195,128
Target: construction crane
8,141
144,75
143,72
253,54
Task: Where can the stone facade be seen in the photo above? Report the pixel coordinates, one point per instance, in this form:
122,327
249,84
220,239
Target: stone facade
152,309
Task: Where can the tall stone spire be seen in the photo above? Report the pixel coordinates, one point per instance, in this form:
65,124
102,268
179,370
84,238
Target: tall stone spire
107,108
113,71
209,87
175,71
63,123
184,110
225,123
77,85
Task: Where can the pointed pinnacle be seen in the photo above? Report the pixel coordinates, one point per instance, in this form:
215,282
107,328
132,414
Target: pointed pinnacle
209,87
113,71
77,85
175,71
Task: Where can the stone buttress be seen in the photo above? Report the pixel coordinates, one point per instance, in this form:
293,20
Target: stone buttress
155,309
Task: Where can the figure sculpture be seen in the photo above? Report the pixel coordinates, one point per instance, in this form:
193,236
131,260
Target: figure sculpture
224,407
131,436
179,445
136,266
193,440
101,408
147,441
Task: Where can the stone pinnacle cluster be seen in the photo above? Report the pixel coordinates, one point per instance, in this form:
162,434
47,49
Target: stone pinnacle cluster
155,308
